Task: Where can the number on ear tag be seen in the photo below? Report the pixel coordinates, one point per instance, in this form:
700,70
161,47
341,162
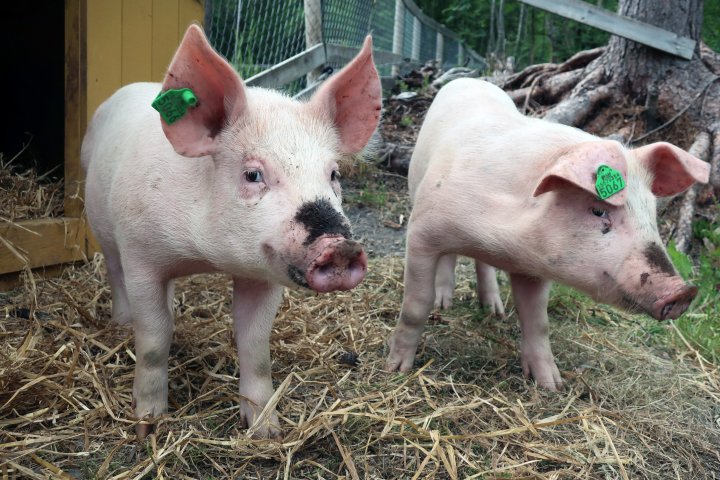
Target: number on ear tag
173,104
609,182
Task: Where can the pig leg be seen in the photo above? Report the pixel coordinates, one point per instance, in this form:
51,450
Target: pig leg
531,300
488,292
255,305
418,298
116,277
445,281
151,307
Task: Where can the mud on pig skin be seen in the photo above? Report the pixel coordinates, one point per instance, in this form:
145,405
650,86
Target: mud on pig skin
519,194
245,182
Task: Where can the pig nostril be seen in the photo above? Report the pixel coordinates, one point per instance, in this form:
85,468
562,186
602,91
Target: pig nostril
666,310
325,269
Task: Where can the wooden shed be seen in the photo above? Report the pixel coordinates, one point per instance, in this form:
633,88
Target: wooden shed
68,58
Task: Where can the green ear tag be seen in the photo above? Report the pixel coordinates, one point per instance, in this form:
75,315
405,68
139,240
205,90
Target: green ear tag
173,104
609,182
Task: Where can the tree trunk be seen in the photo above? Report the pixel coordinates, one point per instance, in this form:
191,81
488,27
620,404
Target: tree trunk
660,86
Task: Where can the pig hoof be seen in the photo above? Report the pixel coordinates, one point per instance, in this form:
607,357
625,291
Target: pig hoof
443,298
545,374
143,429
492,304
267,431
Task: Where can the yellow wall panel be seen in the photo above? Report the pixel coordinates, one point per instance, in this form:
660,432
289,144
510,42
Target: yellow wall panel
190,11
104,51
136,41
164,36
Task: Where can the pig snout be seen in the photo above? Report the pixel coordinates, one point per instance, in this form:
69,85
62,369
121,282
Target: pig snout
340,265
674,304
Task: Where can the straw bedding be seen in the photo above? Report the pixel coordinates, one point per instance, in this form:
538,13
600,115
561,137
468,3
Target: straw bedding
633,407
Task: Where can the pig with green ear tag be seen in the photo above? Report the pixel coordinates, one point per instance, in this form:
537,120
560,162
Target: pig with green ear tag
224,178
542,201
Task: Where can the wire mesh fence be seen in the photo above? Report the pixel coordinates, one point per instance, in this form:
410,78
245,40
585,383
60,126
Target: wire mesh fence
255,35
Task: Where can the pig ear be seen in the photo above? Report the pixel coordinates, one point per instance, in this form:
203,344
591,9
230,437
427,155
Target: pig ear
218,88
352,100
674,170
578,166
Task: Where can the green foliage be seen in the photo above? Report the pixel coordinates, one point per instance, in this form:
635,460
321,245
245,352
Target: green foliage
682,262
711,24
701,325
532,35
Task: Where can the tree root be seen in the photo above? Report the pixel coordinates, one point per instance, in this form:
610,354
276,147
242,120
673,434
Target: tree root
683,234
576,109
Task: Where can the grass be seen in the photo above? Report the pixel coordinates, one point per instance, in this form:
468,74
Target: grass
700,326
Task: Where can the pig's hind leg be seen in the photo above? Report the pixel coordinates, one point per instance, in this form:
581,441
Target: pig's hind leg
445,281
420,270
255,305
488,291
116,277
531,300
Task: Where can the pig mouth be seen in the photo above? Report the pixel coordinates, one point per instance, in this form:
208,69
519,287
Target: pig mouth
675,304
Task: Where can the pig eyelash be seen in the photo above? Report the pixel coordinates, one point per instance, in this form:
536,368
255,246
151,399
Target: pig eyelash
335,175
599,212
254,176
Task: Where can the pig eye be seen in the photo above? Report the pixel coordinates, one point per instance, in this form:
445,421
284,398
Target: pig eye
254,176
599,212
335,175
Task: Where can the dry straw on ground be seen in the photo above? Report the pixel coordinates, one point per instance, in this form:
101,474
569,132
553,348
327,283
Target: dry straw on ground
633,407
25,195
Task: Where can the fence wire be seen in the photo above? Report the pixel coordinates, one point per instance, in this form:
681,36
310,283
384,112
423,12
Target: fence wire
255,35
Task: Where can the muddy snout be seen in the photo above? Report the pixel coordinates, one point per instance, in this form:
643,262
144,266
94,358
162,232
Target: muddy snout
675,304
340,265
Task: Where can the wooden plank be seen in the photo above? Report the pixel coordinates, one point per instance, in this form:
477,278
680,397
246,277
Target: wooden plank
640,32
74,103
41,242
104,51
165,33
136,41
290,69
9,281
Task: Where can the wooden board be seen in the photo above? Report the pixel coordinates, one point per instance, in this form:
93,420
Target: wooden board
39,243
75,110
618,25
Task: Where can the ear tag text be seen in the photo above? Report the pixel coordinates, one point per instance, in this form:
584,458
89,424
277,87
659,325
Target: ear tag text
609,182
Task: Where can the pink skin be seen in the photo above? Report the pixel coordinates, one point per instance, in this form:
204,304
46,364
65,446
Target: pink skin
518,193
227,188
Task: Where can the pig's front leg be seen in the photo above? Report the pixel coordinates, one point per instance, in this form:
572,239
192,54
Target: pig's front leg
531,300
417,302
153,325
255,305
488,291
445,281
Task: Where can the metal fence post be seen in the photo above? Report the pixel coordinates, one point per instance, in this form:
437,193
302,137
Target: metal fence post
439,47
313,30
416,38
460,54
398,33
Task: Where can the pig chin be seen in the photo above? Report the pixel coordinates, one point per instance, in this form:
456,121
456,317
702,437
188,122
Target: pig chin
659,295
669,305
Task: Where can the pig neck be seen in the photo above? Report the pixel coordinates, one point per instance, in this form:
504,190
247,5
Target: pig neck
508,227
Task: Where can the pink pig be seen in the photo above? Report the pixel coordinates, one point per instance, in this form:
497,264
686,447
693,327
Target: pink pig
246,183
519,194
